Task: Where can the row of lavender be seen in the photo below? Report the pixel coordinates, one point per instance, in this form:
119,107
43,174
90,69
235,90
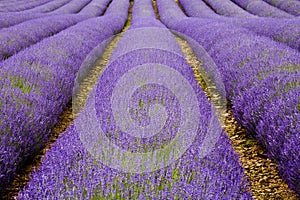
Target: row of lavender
262,81
244,8
292,6
36,85
60,6
263,9
18,37
19,6
72,170
51,8
283,30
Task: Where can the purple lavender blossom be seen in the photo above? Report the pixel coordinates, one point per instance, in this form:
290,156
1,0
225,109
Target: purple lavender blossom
95,8
73,6
262,9
20,6
90,10
290,6
283,30
70,171
48,7
36,85
257,72
283,116
16,38
197,9
228,8
10,19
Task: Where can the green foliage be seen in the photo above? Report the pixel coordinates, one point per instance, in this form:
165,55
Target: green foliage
18,82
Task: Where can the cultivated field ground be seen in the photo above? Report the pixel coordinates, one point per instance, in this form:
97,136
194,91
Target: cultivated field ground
150,99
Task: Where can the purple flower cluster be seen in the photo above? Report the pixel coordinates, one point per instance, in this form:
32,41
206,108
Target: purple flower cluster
283,30
94,8
197,9
73,6
20,6
284,119
18,37
290,6
270,110
258,74
48,7
10,19
228,8
143,10
36,85
262,9
69,170
172,13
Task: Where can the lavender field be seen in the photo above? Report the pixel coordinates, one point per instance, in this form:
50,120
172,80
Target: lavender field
150,99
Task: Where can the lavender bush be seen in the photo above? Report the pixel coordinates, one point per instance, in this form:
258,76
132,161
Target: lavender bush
73,6
284,119
228,8
262,9
48,7
70,169
252,74
20,6
290,6
36,84
283,30
197,9
95,8
16,38
274,118
10,19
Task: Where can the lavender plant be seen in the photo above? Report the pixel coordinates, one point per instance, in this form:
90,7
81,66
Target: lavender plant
95,8
197,9
20,6
286,31
262,9
228,8
273,119
48,7
72,7
284,119
37,83
290,6
10,19
257,73
18,37
71,170
282,30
